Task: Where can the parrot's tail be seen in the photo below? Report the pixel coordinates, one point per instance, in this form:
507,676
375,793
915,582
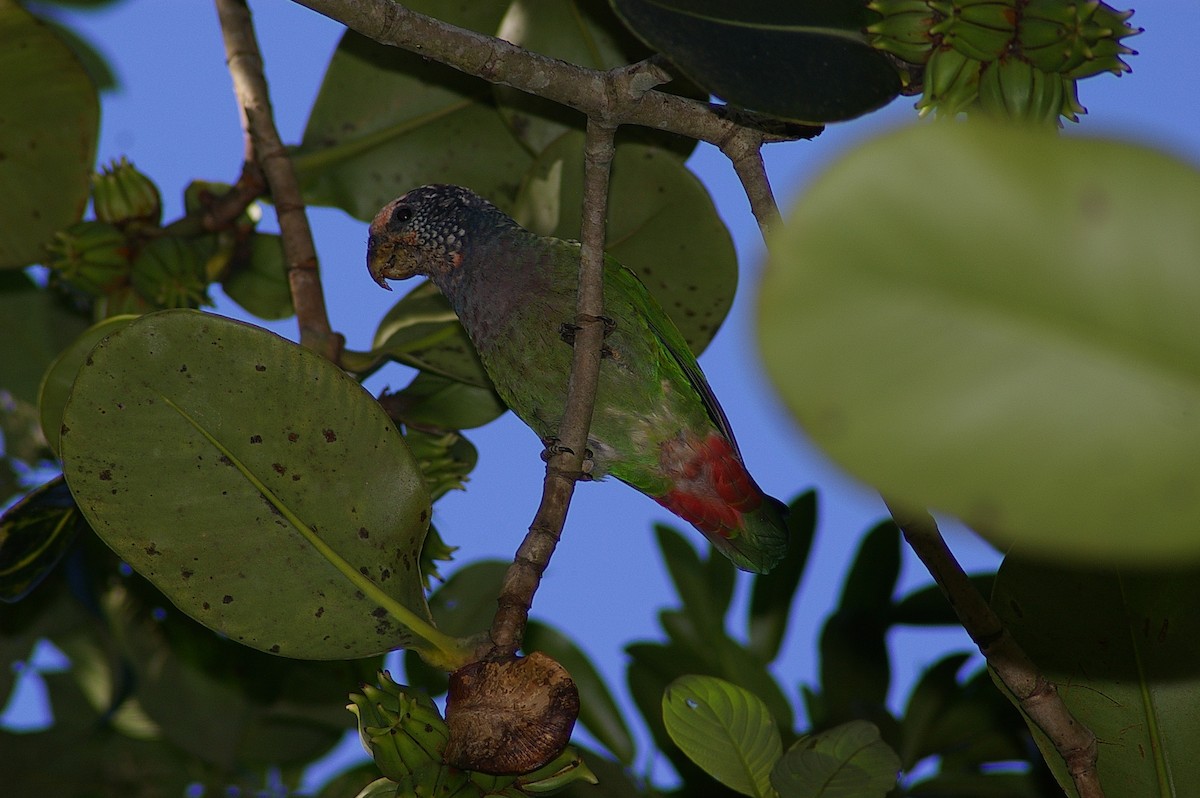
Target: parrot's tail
715,493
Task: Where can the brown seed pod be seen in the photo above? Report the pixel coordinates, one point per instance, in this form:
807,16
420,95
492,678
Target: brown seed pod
511,716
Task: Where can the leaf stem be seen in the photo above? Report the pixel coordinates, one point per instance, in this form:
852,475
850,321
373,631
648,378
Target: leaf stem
250,85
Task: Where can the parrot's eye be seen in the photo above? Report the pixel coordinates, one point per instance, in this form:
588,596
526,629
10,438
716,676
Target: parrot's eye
402,215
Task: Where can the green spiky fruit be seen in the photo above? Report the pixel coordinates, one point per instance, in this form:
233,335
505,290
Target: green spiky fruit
91,256
903,29
1079,39
951,82
980,29
403,731
1015,89
169,273
123,196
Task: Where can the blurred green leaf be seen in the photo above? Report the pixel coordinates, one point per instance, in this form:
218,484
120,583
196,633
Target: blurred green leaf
35,325
1040,290
598,712
51,121
980,785
724,729
849,761
386,121
927,606
438,402
701,602
1124,649
260,284
810,62
90,58
662,225
320,510
772,594
422,331
35,533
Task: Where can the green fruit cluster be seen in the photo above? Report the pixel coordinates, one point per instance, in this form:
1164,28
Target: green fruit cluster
406,735
1016,58
123,196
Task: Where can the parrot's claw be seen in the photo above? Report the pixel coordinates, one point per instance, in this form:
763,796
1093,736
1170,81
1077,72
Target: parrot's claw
567,331
554,446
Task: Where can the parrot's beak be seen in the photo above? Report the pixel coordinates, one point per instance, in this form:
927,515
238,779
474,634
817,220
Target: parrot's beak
378,258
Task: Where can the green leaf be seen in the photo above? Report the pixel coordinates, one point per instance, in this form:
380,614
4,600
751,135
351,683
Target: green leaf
1011,327
725,730
810,62
35,533
60,377
260,285
422,331
598,712
662,225
977,785
705,606
51,119
772,594
583,32
937,689
386,121
849,761
1123,648
438,402
90,58
35,324
295,532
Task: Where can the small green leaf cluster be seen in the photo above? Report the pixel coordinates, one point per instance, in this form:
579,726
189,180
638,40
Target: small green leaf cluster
1010,58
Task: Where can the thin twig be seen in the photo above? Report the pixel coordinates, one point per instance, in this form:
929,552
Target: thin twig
585,90
250,86
565,464
1038,697
744,150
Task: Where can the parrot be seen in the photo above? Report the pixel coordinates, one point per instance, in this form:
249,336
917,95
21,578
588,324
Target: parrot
656,425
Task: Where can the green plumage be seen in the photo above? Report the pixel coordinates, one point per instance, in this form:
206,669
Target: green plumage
656,424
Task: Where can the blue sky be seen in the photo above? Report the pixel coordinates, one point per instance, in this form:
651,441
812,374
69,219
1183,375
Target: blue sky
175,118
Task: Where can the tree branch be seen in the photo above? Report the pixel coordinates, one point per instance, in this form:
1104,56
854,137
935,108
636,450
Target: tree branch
565,464
585,90
1038,696
744,150
250,86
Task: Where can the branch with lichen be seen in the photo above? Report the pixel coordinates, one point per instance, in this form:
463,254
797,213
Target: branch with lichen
250,85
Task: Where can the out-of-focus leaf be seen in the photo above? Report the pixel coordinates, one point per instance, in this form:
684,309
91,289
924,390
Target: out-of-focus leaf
35,325
1029,327
260,285
689,574
849,761
60,377
92,60
725,730
977,785
598,712
927,606
438,402
422,331
34,535
386,121
937,688
584,32
808,62
772,594
51,121
296,532
662,225
1124,649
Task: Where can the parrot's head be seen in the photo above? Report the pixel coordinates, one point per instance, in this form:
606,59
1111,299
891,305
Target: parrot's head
424,232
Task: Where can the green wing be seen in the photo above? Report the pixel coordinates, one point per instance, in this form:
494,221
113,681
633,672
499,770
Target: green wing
642,301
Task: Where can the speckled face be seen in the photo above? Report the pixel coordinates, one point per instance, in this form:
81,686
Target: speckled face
422,232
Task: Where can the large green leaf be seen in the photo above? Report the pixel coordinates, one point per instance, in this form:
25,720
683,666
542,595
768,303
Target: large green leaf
51,118
387,120
662,225
725,730
1124,650
253,483
584,32
809,62
1002,324
848,761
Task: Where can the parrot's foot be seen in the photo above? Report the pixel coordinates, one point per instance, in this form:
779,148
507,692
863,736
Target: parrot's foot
554,446
567,331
